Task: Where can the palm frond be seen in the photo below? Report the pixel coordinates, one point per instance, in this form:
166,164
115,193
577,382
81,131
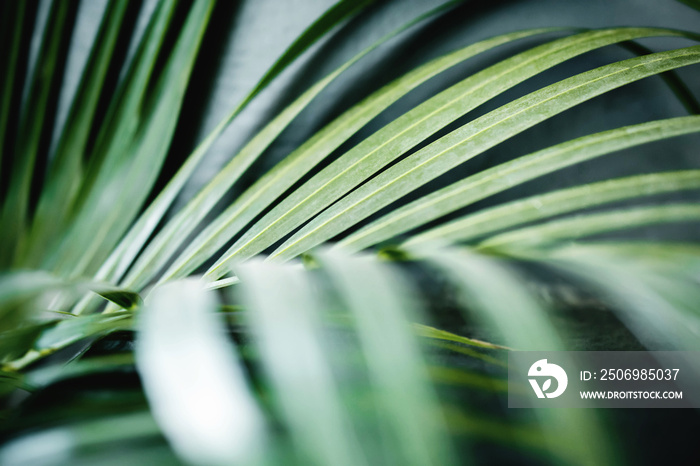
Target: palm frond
375,328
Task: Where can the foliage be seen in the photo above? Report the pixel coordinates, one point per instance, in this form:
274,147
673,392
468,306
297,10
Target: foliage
331,354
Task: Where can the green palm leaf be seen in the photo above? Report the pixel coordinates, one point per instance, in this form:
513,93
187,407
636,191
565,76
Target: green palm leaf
498,295
301,161
306,394
137,236
166,243
413,127
474,138
31,125
222,424
67,163
584,225
507,175
380,312
110,354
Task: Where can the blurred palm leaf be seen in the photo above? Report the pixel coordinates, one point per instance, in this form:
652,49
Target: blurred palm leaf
335,358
